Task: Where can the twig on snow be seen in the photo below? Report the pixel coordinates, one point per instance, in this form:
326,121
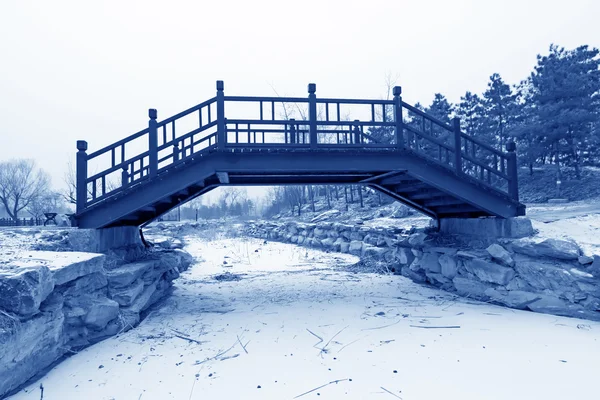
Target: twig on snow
333,337
187,338
395,395
436,327
240,342
381,327
346,345
322,386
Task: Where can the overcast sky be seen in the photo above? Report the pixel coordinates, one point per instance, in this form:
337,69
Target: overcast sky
88,70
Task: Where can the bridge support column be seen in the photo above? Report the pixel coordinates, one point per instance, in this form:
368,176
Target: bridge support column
398,117
81,190
312,114
492,227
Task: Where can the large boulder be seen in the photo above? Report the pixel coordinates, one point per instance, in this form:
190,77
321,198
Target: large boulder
430,263
514,299
500,254
28,347
553,248
546,275
471,288
129,273
125,296
356,247
405,256
448,265
101,310
490,272
23,290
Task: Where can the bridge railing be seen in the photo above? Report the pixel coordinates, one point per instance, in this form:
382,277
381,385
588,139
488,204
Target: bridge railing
244,123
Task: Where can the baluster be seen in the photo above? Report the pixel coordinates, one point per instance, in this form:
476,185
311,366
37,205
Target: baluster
200,117
112,157
81,191
123,153
261,110
94,184
209,113
236,133
103,183
338,111
327,112
373,112
383,112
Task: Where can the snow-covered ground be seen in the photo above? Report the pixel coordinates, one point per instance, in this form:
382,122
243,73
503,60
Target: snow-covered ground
275,321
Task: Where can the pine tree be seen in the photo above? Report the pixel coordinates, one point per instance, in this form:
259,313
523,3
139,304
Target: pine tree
500,106
566,87
470,110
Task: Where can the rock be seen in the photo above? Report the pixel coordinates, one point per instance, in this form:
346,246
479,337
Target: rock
438,279
126,296
472,254
430,262
142,301
327,242
86,284
595,267
448,265
548,304
128,273
38,344
405,256
376,253
345,247
355,247
553,248
543,275
519,283
417,239
320,233
415,276
326,215
102,310
471,288
499,253
585,260
23,291
514,299
490,272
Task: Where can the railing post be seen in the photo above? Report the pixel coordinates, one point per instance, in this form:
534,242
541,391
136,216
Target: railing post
221,134
125,176
152,144
312,114
293,131
176,152
357,135
457,145
513,178
81,189
398,117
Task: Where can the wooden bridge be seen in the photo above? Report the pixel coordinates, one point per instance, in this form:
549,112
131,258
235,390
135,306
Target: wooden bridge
392,147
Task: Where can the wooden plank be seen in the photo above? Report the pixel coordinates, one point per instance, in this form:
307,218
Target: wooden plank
443,201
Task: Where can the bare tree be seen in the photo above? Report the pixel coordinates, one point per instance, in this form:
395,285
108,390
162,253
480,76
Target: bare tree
21,183
45,203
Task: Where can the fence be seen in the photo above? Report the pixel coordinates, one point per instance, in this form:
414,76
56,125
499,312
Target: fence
22,221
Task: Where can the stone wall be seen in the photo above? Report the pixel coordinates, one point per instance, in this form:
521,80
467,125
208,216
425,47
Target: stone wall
548,276
52,303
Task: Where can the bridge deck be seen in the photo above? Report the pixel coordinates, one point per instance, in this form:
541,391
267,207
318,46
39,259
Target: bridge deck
415,158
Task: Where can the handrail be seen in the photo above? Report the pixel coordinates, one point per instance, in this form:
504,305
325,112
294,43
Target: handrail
186,112
117,144
427,116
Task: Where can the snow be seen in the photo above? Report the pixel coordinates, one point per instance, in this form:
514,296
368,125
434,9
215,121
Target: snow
52,259
585,230
297,319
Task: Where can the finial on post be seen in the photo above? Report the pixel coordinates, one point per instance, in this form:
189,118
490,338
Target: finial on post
397,91
82,145
220,86
152,113
511,146
312,88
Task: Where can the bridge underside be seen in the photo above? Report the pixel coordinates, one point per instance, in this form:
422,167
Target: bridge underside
430,189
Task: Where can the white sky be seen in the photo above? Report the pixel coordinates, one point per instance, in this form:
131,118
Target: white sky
77,69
